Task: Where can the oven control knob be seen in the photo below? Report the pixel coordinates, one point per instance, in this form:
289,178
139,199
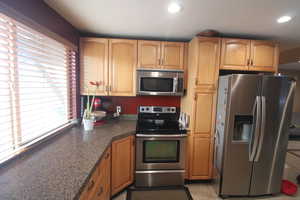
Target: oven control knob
147,109
173,109
168,109
142,109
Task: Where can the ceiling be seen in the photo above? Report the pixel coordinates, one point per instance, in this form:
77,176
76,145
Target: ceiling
295,66
150,19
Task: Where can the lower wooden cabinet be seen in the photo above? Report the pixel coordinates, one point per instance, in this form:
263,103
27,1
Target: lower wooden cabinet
201,158
123,152
98,187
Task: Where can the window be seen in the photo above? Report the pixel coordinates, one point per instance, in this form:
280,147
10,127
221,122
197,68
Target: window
37,86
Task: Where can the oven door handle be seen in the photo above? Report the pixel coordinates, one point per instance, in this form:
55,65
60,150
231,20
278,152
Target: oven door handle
162,136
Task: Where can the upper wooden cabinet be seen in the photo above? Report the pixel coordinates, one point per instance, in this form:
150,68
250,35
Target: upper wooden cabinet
112,62
94,65
122,67
160,55
172,55
148,54
208,56
264,56
235,54
253,55
123,152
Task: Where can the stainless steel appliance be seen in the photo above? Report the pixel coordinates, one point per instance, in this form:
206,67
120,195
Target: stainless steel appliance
253,115
160,82
160,147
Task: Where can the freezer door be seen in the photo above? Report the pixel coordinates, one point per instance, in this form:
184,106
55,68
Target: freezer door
242,116
277,100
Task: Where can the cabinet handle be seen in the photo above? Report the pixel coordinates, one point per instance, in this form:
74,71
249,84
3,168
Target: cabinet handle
158,61
107,156
196,81
248,62
251,62
107,88
100,191
91,185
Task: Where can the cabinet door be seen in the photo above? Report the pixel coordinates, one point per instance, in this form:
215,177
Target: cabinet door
208,62
148,54
264,56
102,191
122,164
235,54
204,113
201,158
93,65
172,55
122,67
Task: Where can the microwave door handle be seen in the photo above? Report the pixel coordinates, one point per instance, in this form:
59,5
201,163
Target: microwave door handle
175,84
254,138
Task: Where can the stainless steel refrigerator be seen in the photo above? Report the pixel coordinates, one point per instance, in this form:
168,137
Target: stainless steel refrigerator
253,115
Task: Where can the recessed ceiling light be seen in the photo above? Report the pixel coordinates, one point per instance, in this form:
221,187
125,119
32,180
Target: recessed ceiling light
284,19
174,8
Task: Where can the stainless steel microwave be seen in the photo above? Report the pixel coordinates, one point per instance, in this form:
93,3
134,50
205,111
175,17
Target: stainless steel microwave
160,82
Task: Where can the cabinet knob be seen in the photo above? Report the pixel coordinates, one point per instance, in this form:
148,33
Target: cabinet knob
100,191
107,156
91,185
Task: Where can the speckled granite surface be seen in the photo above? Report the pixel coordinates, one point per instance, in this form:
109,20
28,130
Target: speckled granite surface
58,168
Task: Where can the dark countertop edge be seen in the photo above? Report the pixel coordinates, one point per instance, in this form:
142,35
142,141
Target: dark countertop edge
118,137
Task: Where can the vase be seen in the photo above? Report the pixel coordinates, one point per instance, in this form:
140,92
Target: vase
88,124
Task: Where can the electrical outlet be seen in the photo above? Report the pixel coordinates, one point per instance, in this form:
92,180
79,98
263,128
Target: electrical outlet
119,109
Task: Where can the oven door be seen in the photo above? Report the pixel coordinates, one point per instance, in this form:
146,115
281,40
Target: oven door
157,152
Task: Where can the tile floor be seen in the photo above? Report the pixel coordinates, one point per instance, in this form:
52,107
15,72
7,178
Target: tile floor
205,191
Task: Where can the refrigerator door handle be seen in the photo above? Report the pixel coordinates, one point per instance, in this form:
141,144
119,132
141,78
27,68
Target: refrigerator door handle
255,131
262,128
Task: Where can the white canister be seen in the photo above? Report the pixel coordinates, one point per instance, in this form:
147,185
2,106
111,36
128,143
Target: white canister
88,124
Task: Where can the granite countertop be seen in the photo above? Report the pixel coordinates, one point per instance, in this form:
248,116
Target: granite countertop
58,168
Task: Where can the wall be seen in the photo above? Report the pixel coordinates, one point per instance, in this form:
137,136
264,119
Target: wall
42,14
130,104
295,74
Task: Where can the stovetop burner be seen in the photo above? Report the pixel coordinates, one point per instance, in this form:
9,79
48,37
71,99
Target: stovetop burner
158,120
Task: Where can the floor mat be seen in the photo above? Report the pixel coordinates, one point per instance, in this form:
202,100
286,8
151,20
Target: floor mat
165,193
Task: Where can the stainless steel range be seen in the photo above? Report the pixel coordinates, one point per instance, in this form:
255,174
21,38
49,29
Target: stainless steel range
160,147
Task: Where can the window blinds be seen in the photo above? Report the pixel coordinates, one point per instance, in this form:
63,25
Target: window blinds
38,86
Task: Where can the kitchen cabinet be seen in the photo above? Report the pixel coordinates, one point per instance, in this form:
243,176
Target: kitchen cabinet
200,104
208,60
201,159
264,56
204,108
112,62
235,54
123,152
249,55
148,54
160,55
122,67
94,65
172,55
98,186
